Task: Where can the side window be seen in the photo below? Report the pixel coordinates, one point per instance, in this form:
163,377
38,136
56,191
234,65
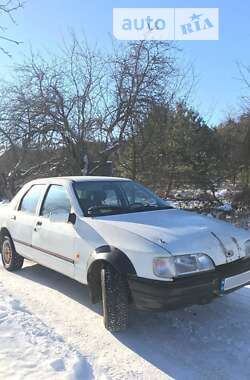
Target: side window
30,200
56,201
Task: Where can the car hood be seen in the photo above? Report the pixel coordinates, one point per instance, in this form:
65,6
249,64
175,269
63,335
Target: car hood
178,232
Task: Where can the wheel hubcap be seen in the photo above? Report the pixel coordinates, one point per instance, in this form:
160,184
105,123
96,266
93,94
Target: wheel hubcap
7,252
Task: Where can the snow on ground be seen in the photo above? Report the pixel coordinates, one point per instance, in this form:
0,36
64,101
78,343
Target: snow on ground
226,207
29,348
49,330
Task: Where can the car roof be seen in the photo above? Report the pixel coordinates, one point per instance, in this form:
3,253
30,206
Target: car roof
77,179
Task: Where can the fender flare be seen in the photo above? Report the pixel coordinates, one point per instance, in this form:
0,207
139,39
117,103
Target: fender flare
114,256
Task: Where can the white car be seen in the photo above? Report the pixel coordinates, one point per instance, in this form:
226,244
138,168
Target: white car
127,244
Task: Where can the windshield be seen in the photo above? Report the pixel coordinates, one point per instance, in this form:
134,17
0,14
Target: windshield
98,198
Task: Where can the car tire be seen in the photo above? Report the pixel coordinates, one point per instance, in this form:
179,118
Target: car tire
12,261
114,299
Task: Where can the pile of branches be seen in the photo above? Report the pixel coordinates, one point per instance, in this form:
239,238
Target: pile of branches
235,209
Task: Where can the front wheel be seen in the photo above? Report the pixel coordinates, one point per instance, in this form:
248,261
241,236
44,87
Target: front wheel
12,261
114,299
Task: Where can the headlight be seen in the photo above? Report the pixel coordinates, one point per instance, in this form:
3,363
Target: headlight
174,266
247,248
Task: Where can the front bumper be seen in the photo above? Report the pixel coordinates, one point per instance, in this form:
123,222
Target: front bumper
189,290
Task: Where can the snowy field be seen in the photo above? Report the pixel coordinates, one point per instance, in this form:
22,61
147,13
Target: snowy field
49,330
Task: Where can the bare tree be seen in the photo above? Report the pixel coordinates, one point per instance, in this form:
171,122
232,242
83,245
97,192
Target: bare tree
141,74
7,10
65,95
145,75
81,96
85,96
244,71
25,147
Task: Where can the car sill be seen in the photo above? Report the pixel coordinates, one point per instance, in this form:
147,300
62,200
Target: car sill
45,251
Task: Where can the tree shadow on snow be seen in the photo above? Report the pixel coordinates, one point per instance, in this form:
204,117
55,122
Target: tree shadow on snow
201,342
57,281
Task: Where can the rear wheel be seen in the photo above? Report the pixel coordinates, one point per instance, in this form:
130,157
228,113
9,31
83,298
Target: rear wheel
114,299
12,261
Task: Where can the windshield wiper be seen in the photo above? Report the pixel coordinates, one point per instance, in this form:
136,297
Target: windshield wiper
97,210
149,207
109,210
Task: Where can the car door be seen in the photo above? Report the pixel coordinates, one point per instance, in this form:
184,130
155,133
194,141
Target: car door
22,220
54,241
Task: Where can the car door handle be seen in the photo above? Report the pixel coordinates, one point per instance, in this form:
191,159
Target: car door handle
13,217
38,224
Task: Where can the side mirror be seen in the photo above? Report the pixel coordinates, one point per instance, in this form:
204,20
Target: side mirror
72,218
91,211
59,216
